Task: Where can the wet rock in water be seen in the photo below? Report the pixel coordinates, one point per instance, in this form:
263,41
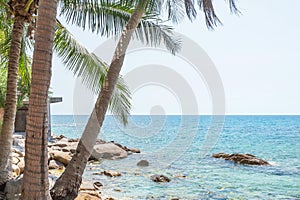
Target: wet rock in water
60,156
108,151
246,159
134,150
54,164
112,173
160,178
97,185
180,176
117,190
143,163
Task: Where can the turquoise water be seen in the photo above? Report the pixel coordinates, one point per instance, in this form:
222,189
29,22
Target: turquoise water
181,145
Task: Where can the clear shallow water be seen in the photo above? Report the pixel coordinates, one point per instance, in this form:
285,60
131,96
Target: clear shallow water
174,147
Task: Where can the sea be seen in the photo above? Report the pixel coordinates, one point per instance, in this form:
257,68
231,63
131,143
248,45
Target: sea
181,148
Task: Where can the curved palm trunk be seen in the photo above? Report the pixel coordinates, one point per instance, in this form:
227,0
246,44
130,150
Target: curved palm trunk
6,135
35,182
67,186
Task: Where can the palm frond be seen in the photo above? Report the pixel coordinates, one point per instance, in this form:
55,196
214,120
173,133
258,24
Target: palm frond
109,18
174,10
190,9
92,71
120,103
207,7
211,18
153,34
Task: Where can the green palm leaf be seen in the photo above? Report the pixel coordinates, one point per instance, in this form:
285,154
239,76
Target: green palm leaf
91,70
108,18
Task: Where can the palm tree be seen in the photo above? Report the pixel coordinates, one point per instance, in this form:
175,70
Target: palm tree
85,64
22,13
35,180
66,187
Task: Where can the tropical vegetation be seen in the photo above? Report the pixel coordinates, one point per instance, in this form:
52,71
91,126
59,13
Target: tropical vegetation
105,18
83,63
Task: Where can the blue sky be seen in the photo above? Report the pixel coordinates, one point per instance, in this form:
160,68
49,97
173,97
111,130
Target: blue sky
256,54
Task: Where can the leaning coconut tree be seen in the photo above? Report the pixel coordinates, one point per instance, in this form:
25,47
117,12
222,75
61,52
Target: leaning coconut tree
76,57
66,187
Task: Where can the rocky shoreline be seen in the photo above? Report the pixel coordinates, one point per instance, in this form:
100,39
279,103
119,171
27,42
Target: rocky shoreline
60,152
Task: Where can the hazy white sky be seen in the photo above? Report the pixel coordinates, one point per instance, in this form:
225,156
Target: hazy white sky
256,54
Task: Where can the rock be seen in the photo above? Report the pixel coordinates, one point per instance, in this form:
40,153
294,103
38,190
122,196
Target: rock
74,140
220,155
19,142
108,151
13,188
246,159
88,196
87,186
61,156
18,152
160,178
110,198
180,176
52,180
16,170
54,164
134,150
65,150
61,143
15,160
97,185
112,173
57,172
143,163
72,147
21,165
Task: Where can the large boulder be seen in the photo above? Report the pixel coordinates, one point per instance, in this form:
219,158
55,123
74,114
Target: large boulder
246,159
108,151
60,156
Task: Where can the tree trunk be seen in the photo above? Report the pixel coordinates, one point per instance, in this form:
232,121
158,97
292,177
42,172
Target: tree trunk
6,135
67,186
35,182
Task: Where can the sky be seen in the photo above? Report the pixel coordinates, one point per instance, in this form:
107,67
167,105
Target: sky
256,56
